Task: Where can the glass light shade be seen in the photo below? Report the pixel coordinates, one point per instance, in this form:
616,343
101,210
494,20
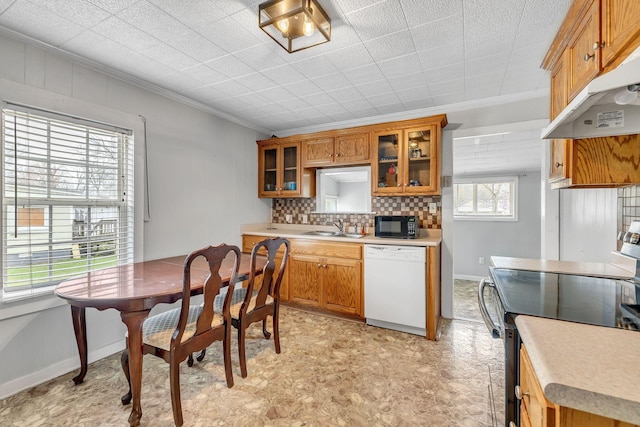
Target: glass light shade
626,95
295,24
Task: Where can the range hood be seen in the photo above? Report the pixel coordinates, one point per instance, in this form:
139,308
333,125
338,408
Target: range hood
594,112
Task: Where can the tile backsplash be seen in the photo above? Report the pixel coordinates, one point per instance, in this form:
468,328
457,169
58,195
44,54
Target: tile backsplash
412,205
628,207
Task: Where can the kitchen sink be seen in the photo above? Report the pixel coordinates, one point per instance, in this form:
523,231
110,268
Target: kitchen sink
320,233
332,234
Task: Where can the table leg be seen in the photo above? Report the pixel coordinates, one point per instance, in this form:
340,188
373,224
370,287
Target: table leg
80,328
134,321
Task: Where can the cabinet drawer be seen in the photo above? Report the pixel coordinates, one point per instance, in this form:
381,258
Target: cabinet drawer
249,241
326,248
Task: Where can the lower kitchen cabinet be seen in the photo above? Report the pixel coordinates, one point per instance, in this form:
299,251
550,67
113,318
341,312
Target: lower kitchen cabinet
537,411
327,275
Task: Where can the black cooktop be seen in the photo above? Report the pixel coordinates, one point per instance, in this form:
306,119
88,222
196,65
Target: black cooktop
583,299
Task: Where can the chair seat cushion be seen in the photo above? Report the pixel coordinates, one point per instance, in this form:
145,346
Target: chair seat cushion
236,301
157,330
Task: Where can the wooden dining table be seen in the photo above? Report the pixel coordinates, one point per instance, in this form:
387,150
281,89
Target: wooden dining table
134,289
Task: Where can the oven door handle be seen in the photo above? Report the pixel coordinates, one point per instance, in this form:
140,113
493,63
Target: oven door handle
496,332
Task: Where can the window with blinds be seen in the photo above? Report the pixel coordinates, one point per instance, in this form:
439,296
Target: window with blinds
67,198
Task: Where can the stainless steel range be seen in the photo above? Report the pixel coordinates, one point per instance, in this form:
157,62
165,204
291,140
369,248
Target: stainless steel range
583,299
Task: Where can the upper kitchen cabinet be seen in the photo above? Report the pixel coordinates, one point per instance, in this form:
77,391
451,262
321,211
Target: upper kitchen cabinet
336,150
560,148
596,162
583,50
404,158
620,29
407,159
595,37
279,171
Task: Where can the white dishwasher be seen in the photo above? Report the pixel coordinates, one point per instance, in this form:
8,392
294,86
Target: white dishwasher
395,287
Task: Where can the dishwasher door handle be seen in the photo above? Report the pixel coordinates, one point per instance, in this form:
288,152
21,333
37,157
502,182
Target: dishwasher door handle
496,332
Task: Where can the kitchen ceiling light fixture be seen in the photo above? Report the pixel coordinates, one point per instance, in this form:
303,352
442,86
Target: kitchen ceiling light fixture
295,24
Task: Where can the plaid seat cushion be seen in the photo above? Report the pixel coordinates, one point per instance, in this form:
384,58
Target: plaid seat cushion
157,330
236,301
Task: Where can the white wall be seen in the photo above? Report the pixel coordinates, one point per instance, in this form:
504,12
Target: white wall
203,179
588,222
521,238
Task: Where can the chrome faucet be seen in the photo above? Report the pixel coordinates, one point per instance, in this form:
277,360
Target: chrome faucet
338,224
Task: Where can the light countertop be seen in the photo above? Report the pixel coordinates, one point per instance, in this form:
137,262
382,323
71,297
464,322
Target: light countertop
590,368
620,267
430,237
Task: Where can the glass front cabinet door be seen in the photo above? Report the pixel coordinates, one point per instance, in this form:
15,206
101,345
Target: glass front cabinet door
279,170
421,156
405,161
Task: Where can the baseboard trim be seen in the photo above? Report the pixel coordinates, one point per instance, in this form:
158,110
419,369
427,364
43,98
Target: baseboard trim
468,277
56,369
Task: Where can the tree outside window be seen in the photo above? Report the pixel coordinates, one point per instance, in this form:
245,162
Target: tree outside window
485,198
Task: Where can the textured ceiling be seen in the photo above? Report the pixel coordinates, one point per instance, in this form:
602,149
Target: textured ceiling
514,152
387,57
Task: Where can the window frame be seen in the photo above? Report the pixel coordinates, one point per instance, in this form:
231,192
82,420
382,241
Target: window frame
478,180
123,201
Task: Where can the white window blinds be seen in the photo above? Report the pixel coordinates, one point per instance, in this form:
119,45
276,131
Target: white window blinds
67,205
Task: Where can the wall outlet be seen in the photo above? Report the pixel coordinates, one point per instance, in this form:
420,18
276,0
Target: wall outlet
304,218
288,218
481,260
433,208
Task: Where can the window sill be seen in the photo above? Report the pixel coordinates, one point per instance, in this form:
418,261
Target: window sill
485,218
28,303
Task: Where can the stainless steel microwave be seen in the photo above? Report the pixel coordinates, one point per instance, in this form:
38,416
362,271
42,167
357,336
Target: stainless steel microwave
396,226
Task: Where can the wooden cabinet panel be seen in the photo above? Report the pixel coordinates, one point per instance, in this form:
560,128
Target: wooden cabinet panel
559,87
342,289
352,148
584,50
406,161
330,151
607,160
318,152
327,275
620,26
560,159
305,280
569,417
539,409
326,248
596,162
280,173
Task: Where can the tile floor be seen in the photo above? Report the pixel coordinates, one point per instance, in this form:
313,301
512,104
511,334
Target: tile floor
331,372
465,300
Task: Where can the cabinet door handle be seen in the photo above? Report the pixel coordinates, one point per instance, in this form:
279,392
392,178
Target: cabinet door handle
319,265
330,155
587,57
597,45
558,164
338,155
324,265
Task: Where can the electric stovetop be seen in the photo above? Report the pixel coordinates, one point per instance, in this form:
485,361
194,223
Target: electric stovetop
583,299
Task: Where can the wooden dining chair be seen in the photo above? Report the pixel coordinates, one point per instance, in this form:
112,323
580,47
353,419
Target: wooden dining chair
250,304
175,334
